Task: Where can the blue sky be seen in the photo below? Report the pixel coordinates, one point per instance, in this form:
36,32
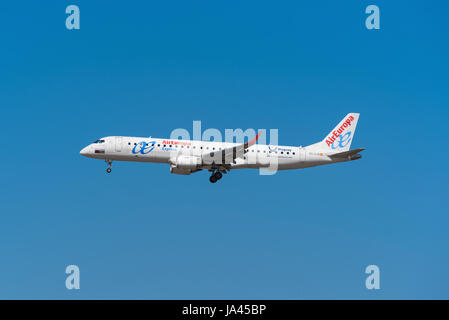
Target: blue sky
145,69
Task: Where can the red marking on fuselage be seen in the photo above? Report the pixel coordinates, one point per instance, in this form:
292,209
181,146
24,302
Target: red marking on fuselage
171,142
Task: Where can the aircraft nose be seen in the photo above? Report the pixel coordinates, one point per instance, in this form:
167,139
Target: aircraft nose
84,151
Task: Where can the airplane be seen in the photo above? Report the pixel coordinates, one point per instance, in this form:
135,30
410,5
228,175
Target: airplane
188,156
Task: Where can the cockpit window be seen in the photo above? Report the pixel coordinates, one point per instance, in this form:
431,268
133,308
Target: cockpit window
99,141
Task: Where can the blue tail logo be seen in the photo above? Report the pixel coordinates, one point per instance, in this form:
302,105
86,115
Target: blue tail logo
342,141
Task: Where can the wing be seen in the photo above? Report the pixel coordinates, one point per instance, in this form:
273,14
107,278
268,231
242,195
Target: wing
227,156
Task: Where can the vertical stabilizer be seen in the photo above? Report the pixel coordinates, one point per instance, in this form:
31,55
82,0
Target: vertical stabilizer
340,138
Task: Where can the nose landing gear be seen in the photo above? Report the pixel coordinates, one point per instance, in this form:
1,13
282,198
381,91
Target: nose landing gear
108,170
217,175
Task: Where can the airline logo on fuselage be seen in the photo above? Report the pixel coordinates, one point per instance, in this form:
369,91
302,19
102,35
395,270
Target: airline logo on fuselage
174,143
344,139
143,147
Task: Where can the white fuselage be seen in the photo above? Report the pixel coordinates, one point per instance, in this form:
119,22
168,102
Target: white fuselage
156,150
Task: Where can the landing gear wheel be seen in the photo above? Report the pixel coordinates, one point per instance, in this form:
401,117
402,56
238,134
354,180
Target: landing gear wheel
108,170
217,175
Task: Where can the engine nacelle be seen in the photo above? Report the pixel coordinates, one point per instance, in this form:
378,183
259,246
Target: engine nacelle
185,165
188,162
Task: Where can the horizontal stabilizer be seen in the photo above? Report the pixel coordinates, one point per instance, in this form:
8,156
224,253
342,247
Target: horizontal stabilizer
346,154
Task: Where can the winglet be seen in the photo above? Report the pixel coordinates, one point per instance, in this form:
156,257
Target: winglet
253,141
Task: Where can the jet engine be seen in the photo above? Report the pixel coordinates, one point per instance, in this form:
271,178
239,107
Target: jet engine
185,165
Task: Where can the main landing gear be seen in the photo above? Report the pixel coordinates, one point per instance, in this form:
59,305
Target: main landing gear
216,175
108,170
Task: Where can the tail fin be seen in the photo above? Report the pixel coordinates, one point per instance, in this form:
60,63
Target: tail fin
340,138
